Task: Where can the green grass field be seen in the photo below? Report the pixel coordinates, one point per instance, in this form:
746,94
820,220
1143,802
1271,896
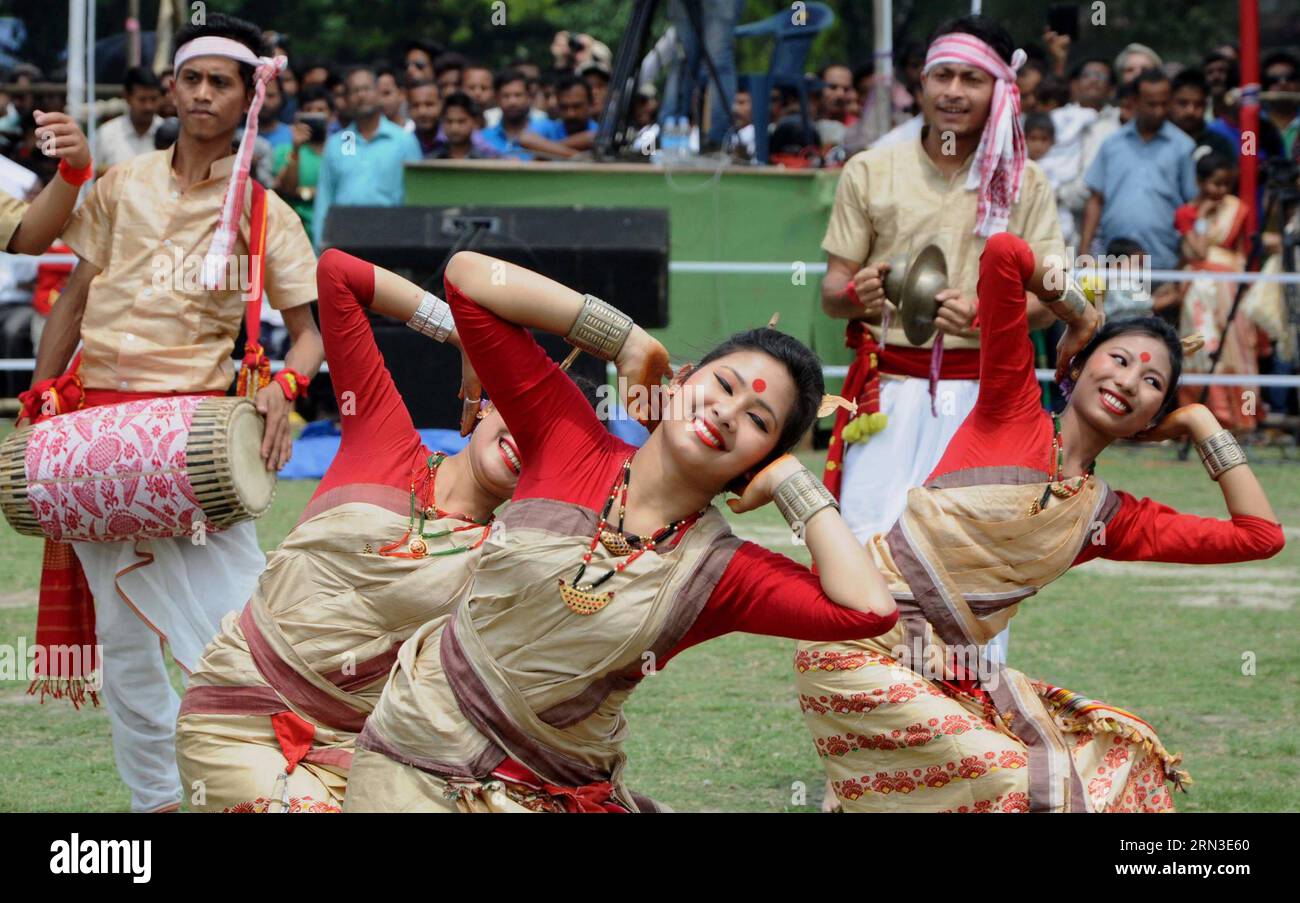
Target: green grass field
720,730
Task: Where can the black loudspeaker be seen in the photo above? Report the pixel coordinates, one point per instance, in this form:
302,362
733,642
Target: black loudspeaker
619,254
428,375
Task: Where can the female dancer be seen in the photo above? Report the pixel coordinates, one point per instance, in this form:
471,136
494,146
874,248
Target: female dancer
388,541
610,561
916,719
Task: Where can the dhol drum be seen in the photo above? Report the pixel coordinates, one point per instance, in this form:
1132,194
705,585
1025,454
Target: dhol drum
146,469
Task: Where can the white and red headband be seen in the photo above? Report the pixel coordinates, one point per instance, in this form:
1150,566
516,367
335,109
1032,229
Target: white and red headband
1000,157
265,68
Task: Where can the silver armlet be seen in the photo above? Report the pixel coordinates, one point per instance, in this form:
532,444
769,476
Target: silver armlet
600,330
1220,452
800,496
433,318
1073,300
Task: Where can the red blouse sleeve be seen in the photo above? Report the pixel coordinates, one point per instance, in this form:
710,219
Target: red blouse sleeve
1149,531
1008,387
379,444
1007,424
767,593
564,446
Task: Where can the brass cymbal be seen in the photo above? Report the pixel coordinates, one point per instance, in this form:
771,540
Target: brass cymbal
895,277
927,275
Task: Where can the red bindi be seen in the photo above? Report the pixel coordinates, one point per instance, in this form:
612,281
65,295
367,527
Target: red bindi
1144,357
759,385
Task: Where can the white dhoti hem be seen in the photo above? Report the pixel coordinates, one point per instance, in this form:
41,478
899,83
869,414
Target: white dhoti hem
169,590
879,472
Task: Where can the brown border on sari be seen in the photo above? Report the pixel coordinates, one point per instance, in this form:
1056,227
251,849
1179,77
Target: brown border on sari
291,685
390,498
549,516
1001,475
211,700
482,764
475,702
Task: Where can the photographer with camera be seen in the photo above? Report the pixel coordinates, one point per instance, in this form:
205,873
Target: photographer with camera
297,164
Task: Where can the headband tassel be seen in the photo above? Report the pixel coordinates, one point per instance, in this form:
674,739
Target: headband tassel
216,260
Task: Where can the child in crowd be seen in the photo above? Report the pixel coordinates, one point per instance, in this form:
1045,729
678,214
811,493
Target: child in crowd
1215,238
1040,136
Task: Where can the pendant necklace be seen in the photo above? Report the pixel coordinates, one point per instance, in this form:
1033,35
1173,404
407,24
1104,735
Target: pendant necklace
584,600
1063,489
419,546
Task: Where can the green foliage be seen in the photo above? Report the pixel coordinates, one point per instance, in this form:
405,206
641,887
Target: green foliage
345,32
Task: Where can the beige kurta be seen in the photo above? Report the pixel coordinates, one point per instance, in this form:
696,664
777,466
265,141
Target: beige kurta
11,216
149,325
318,638
894,200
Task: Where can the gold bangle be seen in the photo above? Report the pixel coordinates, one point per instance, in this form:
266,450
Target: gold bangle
801,495
600,330
1220,452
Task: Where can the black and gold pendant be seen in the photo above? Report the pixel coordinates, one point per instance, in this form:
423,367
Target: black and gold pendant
581,601
615,543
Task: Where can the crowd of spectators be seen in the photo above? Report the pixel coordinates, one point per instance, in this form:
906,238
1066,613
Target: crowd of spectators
1143,153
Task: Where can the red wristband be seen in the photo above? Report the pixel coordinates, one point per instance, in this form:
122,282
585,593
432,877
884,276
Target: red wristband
851,294
75,177
292,383
33,400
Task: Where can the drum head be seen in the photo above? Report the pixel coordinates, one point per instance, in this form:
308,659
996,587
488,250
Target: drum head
926,277
254,484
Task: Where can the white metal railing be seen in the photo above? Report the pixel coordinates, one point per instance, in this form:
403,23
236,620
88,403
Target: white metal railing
815,268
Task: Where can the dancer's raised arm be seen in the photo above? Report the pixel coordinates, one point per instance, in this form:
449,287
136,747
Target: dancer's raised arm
1224,458
520,296
848,576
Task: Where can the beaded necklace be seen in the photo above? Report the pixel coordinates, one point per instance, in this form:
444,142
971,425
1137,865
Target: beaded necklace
1063,489
584,600
419,547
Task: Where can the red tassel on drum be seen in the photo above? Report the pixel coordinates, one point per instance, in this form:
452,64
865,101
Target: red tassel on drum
58,395
255,359
255,362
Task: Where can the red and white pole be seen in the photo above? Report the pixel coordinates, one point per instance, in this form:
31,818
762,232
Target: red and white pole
1248,11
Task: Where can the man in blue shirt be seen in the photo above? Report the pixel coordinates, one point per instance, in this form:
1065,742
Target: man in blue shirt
362,164
515,137
573,102
1140,176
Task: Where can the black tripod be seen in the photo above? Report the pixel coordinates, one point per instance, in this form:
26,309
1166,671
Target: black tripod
616,129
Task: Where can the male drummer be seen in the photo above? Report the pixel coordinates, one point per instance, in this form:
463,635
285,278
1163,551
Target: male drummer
148,328
939,188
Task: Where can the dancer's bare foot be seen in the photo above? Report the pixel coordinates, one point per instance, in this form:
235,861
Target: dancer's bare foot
831,802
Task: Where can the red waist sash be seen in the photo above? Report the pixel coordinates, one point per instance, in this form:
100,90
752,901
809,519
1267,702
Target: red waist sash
862,383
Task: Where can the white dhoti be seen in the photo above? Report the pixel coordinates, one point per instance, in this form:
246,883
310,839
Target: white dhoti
879,472
146,593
